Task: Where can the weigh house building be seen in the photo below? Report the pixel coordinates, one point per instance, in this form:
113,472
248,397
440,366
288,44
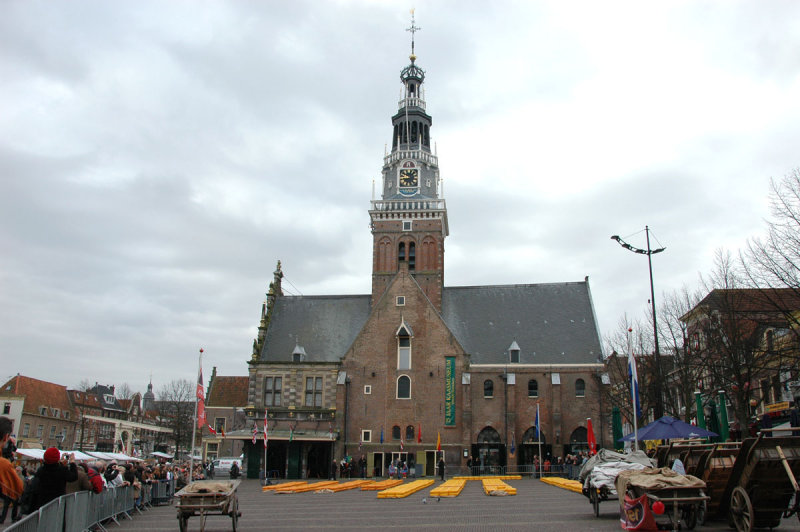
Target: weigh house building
416,366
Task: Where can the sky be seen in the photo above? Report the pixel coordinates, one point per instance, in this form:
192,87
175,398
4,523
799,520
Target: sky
158,158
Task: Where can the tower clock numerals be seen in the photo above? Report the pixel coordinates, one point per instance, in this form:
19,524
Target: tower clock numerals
409,177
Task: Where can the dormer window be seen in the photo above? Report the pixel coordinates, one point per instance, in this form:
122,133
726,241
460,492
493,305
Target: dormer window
298,354
42,410
108,398
513,353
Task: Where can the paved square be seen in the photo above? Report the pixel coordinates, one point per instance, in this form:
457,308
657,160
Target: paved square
537,506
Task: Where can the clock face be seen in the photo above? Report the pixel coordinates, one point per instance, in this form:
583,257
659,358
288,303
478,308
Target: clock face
409,177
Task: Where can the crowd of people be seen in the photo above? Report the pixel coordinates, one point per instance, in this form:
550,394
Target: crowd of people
30,485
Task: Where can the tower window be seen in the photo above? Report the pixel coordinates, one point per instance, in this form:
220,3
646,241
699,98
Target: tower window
403,352
400,301
407,225
403,387
401,252
411,256
533,388
410,433
396,432
580,388
488,388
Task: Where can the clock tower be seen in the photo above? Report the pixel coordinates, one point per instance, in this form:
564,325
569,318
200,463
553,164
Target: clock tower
409,222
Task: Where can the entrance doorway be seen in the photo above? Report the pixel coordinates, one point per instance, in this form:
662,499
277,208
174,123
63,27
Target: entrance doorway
377,465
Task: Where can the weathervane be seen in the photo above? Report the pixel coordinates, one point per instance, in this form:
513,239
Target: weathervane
413,29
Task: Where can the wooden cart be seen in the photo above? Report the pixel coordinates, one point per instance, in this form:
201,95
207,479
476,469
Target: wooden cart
682,496
762,486
208,497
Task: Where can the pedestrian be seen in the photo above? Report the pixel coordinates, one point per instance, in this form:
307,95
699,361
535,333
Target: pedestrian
211,469
441,467
362,466
333,470
10,482
82,482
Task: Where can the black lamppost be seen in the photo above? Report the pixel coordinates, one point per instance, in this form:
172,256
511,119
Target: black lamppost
658,409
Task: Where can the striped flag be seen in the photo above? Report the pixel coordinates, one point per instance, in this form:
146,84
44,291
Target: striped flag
538,434
255,432
634,381
210,429
402,445
438,441
266,426
222,430
419,433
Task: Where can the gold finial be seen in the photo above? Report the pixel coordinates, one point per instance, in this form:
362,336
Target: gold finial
413,29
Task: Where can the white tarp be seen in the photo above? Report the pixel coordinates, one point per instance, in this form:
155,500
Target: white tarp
605,474
159,454
38,454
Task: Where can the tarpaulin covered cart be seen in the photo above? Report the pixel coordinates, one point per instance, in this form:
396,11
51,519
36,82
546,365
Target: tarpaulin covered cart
207,497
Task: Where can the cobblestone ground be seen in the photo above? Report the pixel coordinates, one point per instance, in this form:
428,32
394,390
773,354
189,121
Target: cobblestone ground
537,506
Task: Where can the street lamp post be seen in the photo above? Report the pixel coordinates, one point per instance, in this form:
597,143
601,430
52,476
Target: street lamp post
658,408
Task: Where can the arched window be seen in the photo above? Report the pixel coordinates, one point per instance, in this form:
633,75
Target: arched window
403,387
412,259
404,336
396,432
533,388
401,251
488,388
580,388
410,433
413,132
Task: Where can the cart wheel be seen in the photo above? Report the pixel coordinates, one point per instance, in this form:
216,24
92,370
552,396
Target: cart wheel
595,501
701,513
741,510
183,522
235,514
689,516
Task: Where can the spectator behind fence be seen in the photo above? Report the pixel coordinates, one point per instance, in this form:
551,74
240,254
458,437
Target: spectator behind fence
50,481
10,482
112,475
82,482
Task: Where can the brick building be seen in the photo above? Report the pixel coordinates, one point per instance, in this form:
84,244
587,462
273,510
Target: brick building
47,417
391,373
225,402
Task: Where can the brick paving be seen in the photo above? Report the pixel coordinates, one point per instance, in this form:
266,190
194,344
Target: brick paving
537,506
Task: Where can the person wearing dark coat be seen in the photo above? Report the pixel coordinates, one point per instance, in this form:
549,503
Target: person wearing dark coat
50,482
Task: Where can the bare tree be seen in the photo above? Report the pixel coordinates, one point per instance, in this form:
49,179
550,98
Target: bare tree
176,407
683,373
81,400
619,393
123,391
773,262
727,329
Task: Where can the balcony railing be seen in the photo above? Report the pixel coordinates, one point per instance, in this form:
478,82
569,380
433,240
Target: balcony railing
416,154
411,102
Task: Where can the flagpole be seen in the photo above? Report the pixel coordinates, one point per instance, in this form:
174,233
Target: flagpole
266,439
539,436
633,395
194,424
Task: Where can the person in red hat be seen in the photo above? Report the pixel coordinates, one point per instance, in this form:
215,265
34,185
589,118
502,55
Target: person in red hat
50,482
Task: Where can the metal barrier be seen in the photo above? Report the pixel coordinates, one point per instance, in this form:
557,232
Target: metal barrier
162,491
80,511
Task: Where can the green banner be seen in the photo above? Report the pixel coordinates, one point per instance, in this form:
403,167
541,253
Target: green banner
450,391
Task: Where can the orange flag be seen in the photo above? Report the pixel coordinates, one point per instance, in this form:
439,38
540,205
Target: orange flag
438,441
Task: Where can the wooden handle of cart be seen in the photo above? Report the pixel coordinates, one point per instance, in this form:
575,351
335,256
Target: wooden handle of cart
787,467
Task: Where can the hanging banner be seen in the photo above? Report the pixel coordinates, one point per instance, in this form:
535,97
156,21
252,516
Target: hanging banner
450,391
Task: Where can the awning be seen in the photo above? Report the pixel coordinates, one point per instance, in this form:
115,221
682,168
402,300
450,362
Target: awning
159,454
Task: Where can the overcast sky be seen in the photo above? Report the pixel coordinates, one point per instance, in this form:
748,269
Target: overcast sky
158,158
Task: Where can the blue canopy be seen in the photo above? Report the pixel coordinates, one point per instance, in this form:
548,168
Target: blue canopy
668,428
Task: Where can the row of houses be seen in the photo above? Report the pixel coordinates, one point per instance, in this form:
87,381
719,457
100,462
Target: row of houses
47,414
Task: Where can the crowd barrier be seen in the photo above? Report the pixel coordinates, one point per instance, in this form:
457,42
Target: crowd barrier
83,510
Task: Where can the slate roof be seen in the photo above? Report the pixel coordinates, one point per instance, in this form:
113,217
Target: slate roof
325,326
552,324
228,391
38,393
